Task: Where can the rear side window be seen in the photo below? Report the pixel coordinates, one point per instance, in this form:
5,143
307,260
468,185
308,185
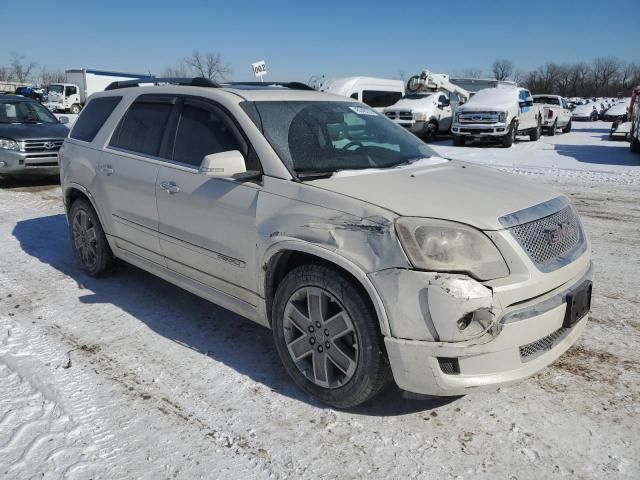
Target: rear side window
93,117
202,131
380,99
142,127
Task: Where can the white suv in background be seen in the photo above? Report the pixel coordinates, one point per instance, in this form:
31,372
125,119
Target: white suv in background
369,256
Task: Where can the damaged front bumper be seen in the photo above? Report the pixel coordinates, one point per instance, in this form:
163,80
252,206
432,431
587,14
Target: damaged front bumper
505,345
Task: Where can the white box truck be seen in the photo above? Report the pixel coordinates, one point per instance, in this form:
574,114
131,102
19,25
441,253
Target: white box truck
79,84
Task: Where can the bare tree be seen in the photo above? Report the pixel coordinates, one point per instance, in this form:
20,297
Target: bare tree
208,65
5,74
605,71
20,68
47,77
473,72
178,70
502,69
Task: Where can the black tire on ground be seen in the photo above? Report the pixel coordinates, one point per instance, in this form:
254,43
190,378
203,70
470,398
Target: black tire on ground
567,129
88,240
459,140
430,133
534,134
552,129
510,137
369,368
75,109
594,117
635,145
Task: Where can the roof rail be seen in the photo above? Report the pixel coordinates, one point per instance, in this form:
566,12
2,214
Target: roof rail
184,81
289,85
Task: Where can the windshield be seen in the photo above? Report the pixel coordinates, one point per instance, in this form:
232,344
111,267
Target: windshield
547,100
311,136
20,111
56,89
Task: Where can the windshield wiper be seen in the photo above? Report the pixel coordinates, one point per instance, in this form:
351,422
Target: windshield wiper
311,175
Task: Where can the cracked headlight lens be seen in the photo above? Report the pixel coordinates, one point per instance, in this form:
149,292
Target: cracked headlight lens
442,246
9,144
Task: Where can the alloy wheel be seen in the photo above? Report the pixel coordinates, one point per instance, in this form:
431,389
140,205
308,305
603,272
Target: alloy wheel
320,337
85,238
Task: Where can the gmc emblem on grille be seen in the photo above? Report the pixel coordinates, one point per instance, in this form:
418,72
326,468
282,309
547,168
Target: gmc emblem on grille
49,145
559,232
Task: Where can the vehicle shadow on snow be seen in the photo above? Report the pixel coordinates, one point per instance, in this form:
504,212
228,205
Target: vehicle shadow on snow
600,154
189,320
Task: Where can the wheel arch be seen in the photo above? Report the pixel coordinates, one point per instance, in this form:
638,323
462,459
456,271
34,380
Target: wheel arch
285,256
74,191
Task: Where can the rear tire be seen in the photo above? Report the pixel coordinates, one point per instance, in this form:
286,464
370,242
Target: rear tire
567,129
635,145
459,140
535,134
553,128
88,240
343,361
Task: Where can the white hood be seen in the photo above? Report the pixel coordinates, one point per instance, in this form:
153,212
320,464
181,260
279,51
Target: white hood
414,103
584,110
492,99
454,191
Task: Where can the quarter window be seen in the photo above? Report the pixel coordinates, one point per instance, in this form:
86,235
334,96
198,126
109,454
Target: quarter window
380,99
202,131
142,127
93,117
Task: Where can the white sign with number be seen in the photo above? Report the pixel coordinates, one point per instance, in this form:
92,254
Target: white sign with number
259,68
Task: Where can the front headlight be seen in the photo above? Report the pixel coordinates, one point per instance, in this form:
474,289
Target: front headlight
420,116
502,116
456,118
442,246
9,144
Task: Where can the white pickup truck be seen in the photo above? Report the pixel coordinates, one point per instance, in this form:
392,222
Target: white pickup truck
429,105
555,113
497,114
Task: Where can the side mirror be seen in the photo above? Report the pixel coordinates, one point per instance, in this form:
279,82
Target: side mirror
63,120
223,164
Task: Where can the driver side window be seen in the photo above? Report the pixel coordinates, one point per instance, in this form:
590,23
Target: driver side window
202,131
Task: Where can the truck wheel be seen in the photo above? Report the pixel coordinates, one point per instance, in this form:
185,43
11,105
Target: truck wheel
635,145
510,137
534,134
567,129
430,133
552,130
459,140
75,109
88,240
328,337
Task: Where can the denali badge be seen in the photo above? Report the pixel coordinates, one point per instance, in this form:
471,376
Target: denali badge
49,145
559,232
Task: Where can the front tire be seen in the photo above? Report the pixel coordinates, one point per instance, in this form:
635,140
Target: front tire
459,140
328,338
88,240
75,109
510,137
430,133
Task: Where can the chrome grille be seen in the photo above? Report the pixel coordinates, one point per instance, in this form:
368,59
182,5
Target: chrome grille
391,115
42,151
405,116
534,349
551,241
478,117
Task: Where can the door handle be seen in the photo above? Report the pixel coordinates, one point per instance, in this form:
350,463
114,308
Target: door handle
107,169
169,187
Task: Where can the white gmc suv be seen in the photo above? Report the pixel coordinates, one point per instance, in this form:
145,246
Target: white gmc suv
369,256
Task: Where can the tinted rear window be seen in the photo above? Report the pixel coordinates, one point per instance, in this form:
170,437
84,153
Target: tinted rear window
93,117
142,127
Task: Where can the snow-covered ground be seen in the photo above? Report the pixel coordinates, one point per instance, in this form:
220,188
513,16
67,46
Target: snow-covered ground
131,377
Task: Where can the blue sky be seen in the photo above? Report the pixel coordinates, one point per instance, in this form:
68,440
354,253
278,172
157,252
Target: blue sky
300,39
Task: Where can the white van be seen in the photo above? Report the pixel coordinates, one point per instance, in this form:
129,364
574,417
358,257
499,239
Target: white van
378,93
